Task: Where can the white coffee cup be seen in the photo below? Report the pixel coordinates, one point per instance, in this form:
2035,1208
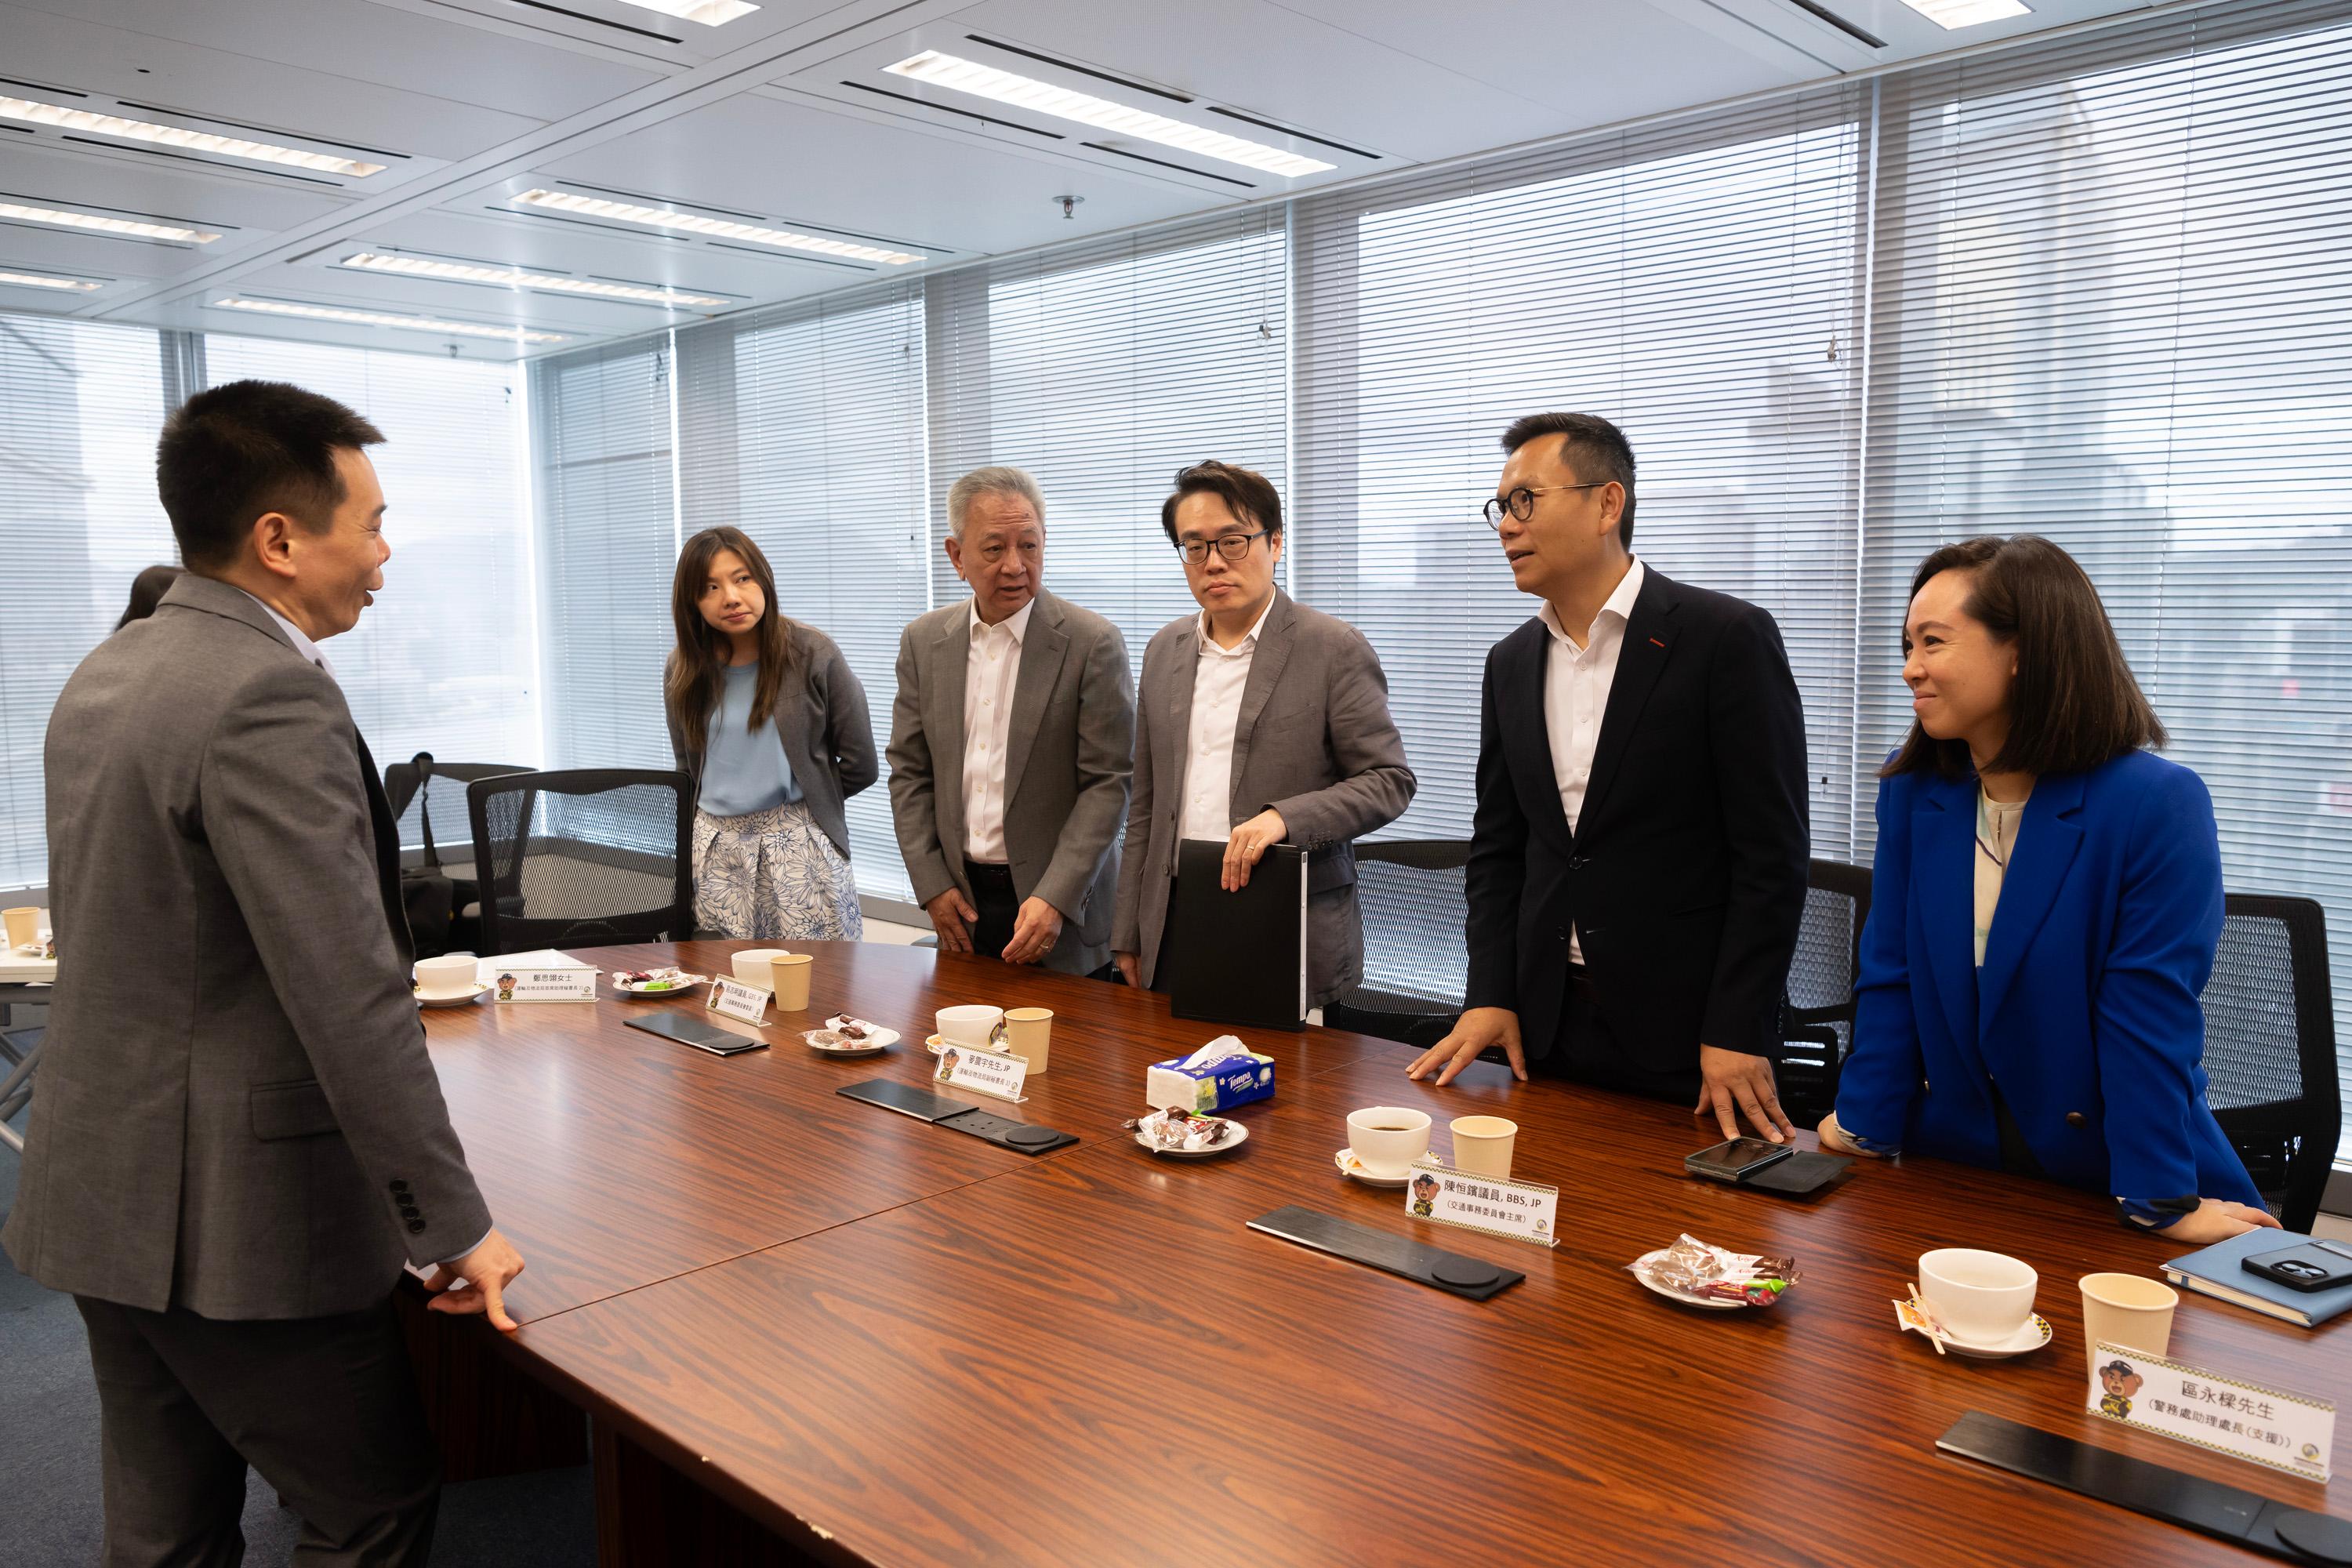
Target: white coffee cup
968,1026
756,966
447,976
1386,1139
1983,1298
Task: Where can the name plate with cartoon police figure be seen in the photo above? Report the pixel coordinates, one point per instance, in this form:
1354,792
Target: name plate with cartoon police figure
520,985
734,999
1518,1211
989,1072
2290,1432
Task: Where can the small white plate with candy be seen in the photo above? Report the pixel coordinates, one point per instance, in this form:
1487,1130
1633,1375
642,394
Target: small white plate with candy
1182,1135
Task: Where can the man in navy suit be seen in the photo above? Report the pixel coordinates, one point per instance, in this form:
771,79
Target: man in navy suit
1639,855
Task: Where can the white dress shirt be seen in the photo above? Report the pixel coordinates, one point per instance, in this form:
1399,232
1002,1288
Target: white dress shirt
1576,695
1220,676
294,633
990,670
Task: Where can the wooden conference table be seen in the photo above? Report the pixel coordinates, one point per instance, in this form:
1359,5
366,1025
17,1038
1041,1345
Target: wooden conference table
807,1329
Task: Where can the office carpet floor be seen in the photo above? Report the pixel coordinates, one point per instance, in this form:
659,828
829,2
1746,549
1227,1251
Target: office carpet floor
49,1475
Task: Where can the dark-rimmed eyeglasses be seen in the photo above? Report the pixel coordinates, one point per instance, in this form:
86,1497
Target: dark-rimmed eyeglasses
1232,546
1521,502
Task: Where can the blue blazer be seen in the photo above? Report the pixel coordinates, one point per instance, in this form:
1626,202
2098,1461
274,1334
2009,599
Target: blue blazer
2086,1011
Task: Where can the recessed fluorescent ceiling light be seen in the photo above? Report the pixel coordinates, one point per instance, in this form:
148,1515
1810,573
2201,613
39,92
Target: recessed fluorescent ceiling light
709,13
1950,13
35,280
694,223
515,278
1044,98
174,136
107,225
379,318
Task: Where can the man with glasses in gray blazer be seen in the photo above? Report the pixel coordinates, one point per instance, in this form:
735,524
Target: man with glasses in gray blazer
239,1138
1010,743
1261,722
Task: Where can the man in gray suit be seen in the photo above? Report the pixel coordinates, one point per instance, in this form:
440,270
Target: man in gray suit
239,1137
1010,743
1262,722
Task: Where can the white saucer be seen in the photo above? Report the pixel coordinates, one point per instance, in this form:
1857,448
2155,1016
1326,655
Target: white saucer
869,1047
931,1044
1351,1166
457,998
2031,1335
1239,1136
880,1038
676,988
1704,1303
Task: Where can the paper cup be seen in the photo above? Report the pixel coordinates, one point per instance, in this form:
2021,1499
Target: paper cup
968,1026
2127,1309
1984,1298
1388,1139
756,966
1482,1145
1029,1035
23,926
791,972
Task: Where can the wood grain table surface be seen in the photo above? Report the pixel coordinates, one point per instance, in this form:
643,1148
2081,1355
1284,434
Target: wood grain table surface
1088,1358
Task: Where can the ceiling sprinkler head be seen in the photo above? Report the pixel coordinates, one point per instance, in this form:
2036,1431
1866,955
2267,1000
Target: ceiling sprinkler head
1069,207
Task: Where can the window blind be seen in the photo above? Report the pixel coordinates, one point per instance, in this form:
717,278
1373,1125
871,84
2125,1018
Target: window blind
444,660
1102,368
608,544
804,429
80,405
1696,284
2111,308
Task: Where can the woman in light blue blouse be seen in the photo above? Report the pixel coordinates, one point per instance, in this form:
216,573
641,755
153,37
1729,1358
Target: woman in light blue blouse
766,716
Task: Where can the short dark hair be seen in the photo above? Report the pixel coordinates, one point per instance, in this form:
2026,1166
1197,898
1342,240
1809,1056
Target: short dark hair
232,453
1595,451
2075,703
1248,495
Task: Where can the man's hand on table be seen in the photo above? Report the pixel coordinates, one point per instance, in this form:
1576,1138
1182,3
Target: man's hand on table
1738,1080
478,1281
1476,1030
2216,1219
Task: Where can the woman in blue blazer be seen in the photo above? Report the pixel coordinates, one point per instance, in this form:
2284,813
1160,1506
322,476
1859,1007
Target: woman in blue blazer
2044,910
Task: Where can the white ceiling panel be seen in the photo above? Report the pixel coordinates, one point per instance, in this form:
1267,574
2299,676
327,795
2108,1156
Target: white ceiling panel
353,40
648,33
422,121
801,164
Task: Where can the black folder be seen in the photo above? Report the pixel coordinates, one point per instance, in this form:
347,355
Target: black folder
1240,958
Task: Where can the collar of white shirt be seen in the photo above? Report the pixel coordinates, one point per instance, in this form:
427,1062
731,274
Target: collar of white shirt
1620,604
1249,638
302,645
1015,626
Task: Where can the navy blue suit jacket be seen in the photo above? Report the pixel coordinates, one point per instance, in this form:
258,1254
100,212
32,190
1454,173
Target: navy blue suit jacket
2085,1011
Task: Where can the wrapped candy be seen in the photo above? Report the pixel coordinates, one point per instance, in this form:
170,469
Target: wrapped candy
1692,1267
1183,1131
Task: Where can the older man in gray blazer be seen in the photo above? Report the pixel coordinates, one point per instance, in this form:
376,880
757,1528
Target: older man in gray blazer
1011,744
239,1138
1262,722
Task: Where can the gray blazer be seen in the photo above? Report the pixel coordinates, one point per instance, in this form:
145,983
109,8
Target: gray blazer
1072,749
821,717
1314,741
236,1113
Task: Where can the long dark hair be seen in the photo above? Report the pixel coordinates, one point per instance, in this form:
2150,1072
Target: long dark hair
147,591
2075,703
696,669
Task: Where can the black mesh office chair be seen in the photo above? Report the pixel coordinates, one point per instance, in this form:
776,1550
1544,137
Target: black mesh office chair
1817,1008
585,857
444,790
2270,1049
444,797
1416,968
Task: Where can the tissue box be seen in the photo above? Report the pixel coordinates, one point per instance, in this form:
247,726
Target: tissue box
1210,1089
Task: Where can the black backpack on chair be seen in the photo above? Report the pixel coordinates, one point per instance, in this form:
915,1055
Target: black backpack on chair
432,897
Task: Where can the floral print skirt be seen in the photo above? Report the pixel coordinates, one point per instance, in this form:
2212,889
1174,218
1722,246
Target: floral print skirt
772,876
